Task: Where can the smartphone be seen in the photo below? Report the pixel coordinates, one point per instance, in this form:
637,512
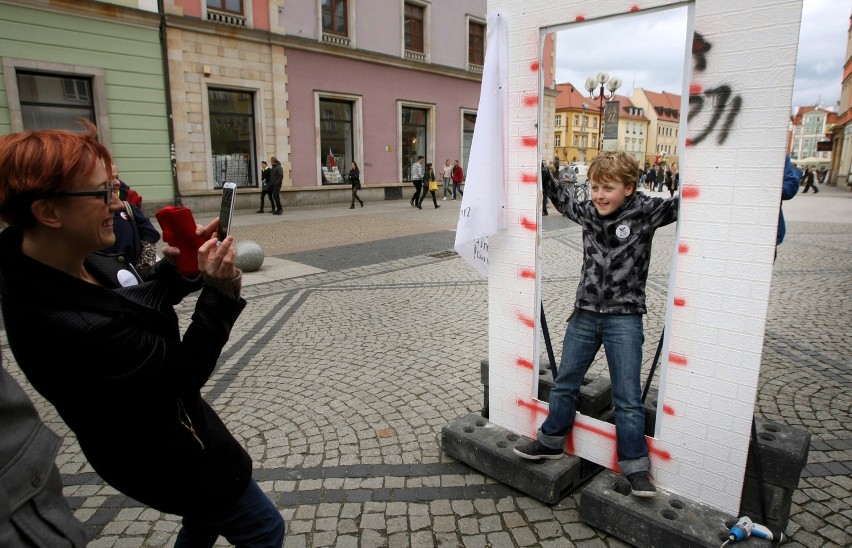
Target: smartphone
226,212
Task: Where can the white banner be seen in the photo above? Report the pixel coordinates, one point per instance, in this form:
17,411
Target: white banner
483,207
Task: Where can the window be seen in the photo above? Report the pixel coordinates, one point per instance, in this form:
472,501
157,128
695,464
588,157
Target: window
558,120
557,140
414,28
576,119
230,6
51,101
476,43
337,139
413,138
575,139
334,17
468,125
232,140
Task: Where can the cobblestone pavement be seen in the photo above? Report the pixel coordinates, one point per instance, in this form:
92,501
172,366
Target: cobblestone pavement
339,383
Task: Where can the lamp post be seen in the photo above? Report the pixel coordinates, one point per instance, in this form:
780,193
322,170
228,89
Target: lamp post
612,84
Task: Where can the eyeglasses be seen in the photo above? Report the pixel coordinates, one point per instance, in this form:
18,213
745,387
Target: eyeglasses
105,194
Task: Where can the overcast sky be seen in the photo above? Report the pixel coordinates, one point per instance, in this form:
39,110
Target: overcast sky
658,40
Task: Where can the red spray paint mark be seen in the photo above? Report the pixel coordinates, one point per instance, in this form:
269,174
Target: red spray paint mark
569,442
660,453
580,18
529,225
683,249
527,321
529,178
679,301
595,429
668,410
677,359
613,464
530,101
689,191
634,7
525,363
688,142
529,141
694,89
533,406
534,66
527,273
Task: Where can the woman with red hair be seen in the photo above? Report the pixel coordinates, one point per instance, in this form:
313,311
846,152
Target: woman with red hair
105,348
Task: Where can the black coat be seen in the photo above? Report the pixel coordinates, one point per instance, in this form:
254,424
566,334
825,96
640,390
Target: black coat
112,361
276,175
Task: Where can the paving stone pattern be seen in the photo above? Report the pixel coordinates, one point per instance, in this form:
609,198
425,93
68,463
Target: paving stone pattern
339,383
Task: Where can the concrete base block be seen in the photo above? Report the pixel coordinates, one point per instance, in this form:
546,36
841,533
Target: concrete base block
665,520
783,453
777,501
488,448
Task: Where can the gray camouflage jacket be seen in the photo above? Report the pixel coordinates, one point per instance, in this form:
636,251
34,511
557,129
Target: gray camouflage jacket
616,248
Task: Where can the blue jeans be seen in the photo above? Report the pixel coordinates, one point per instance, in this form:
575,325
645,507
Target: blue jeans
254,522
448,186
622,338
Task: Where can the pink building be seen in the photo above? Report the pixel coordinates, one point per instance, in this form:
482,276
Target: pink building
320,84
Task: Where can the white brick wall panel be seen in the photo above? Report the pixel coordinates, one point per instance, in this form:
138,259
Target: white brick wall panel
737,50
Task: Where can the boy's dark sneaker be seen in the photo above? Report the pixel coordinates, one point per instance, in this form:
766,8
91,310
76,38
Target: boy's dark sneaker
536,451
640,485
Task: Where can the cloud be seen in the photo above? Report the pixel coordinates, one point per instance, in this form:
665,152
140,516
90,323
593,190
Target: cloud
648,51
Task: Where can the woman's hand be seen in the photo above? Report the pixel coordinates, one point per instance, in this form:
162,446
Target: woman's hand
218,260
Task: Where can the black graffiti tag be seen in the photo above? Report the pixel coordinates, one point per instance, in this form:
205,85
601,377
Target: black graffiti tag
720,98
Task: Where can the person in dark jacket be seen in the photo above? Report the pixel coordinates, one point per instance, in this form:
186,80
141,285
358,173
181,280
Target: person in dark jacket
33,511
265,171
789,188
276,179
618,227
117,368
355,181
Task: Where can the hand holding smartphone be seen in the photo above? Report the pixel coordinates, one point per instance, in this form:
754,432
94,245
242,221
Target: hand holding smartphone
226,211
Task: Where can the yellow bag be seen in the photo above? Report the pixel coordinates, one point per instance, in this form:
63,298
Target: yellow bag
433,185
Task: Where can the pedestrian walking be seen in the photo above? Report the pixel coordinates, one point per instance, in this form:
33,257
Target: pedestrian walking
417,180
447,175
608,310
810,180
265,171
355,180
276,179
430,185
105,347
458,179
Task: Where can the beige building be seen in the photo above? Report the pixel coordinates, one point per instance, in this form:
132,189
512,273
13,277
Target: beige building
632,128
662,109
577,125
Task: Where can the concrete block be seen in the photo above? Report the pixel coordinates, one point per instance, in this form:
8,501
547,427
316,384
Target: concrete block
486,447
776,499
665,520
783,453
595,396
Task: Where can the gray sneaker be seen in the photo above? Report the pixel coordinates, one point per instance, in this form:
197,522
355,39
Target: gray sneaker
640,485
536,451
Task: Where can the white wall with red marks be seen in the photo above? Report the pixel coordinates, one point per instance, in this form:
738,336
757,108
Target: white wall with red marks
740,79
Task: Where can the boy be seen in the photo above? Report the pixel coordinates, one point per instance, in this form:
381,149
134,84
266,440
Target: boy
618,226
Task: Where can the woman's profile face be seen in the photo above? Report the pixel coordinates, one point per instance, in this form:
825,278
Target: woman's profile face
87,220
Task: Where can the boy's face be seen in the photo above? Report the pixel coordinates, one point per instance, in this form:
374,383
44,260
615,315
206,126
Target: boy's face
609,195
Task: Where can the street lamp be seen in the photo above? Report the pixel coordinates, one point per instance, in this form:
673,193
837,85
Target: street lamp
612,84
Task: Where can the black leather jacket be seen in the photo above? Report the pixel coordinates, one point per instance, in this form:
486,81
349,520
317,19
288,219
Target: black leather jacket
112,361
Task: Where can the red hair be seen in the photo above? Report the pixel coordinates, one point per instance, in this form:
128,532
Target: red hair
38,163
